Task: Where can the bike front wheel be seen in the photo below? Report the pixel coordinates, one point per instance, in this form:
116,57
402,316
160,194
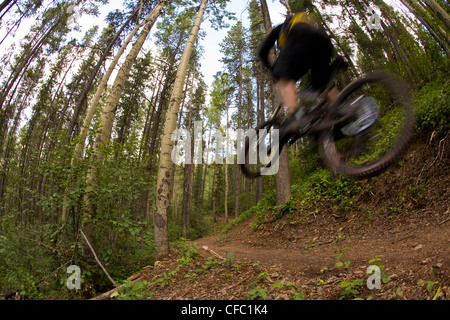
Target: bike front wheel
378,130
261,151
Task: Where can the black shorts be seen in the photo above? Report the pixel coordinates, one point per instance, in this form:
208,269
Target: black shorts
306,48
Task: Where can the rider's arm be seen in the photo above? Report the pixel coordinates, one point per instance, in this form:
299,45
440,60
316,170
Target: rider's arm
266,44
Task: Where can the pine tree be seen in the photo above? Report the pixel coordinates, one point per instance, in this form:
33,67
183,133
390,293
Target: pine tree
233,48
282,178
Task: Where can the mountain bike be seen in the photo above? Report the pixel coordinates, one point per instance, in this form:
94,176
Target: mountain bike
359,134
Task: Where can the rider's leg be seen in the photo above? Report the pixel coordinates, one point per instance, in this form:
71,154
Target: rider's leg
288,89
320,65
289,93
332,94
293,62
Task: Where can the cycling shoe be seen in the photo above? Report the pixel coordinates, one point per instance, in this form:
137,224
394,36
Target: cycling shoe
291,125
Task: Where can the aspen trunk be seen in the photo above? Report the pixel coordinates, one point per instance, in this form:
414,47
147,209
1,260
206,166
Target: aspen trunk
79,148
109,112
443,34
165,169
88,84
238,172
4,4
101,88
163,102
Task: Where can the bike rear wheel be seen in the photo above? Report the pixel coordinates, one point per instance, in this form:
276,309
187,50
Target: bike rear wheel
372,150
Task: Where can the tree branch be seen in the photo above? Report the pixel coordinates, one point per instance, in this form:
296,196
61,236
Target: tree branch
99,263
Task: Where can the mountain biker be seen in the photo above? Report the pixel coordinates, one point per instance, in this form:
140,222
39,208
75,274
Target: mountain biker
303,47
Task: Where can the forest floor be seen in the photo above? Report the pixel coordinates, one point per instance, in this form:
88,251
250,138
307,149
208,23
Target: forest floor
400,223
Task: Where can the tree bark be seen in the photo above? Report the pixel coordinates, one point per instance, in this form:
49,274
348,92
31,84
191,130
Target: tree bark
443,44
238,172
165,169
438,11
214,193
4,4
18,70
260,118
88,84
227,152
98,94
109,112
188,173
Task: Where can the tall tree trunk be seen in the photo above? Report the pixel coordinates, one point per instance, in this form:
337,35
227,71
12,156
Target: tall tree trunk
338,42
109,112
79,147
282,178
87,86
439,27
187,194
438,11
227,152
165,169
399,52
202,195
25,61
396,46
162,106
5,3
260,119
9,147
238,172
442,42
285,3
100,89
163,101
188,170
214,193
150,113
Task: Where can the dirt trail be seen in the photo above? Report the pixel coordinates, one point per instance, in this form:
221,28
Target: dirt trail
402,219
427,245
400,222
415,253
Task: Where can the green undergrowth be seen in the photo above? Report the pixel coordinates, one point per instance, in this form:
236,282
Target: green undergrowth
432,103
310,191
